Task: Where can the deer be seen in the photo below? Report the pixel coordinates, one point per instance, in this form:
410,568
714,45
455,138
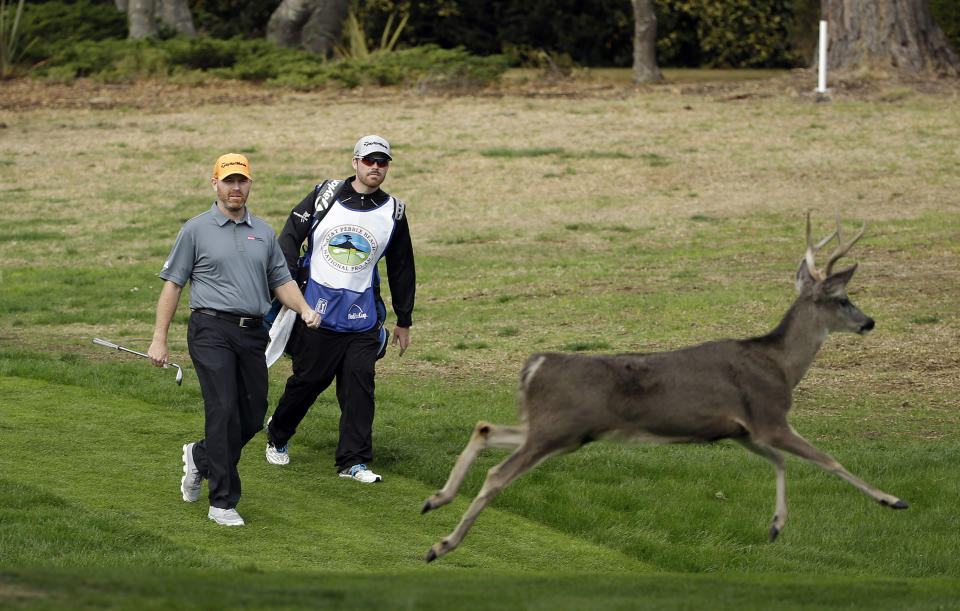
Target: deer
723,389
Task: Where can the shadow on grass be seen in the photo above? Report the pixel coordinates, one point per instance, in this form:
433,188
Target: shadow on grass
439,589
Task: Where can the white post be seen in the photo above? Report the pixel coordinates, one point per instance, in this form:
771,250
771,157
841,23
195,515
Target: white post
822,74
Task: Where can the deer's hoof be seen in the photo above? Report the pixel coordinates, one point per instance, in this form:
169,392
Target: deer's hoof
426,507
774,531
431,556
898,505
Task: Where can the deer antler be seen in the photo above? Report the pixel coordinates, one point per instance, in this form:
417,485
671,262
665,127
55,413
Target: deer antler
842,248
812,250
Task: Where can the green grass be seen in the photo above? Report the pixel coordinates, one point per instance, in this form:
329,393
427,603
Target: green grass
103,493
682,227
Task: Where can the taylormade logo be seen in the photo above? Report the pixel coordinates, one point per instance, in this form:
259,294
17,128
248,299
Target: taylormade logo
325,197
328,192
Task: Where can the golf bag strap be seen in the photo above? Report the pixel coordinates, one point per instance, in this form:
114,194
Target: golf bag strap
327,193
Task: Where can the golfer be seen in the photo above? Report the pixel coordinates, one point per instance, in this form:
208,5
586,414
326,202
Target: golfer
233,261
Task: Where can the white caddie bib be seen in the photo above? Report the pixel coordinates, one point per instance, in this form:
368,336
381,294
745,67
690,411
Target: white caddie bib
345,248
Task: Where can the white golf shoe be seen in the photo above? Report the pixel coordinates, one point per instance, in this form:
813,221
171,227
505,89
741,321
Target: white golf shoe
226,517
361,473
277,456
192,482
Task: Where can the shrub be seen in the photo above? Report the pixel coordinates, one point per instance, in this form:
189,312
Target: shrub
440,67
728,33
947,15
202,53
261,61
678,43
594,32
737,33
58,25
229,18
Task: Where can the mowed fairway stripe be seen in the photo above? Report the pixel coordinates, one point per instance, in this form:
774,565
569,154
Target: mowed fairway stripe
120,458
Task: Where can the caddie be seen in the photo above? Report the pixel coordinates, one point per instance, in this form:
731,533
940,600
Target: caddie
361,225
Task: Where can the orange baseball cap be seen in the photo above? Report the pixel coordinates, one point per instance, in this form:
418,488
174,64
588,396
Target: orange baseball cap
231,163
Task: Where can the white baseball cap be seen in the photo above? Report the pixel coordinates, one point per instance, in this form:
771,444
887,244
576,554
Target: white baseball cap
368,145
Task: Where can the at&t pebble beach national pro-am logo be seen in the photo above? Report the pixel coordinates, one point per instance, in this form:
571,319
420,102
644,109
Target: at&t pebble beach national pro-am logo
349,248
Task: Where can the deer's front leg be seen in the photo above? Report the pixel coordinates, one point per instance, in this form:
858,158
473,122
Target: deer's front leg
485,435
498,478
790,441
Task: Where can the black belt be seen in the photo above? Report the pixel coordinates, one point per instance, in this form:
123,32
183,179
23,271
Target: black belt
243,321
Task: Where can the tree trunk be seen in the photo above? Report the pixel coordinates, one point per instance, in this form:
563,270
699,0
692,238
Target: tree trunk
141,20
176,15
323,29
882,34
314,25
645,69
286,22
146,16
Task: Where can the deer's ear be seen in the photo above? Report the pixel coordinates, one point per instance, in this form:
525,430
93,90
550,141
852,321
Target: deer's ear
836,283
805,279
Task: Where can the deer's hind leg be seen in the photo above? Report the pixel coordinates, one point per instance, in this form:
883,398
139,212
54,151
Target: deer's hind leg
485,435
499,477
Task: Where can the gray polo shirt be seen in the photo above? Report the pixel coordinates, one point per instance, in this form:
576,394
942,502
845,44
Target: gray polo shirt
231,265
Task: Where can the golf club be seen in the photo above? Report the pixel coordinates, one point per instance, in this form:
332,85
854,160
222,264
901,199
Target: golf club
101,342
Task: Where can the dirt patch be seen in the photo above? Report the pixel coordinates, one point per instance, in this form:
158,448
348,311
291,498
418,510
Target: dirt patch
26,94
157,95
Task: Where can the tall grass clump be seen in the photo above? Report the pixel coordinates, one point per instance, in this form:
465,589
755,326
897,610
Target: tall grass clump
356,44
10,50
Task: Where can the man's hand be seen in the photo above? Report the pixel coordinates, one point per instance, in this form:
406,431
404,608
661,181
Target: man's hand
290,296
158,353
401,335
311,317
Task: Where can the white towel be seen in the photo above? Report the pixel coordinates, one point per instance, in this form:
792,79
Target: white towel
280,334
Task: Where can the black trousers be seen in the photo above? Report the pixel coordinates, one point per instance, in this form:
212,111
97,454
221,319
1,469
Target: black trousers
319,356
232,369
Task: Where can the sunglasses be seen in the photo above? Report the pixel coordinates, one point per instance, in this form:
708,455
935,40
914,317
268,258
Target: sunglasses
380,162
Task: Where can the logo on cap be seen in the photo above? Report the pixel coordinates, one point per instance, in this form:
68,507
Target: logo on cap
371,144
231,163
